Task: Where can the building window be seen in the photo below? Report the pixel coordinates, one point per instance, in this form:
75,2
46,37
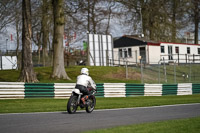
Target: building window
129,52
188,50
177,50
120,53
198,50
125,52
162,49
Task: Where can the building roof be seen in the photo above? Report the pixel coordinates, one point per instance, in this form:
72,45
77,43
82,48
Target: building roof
180,43
132,40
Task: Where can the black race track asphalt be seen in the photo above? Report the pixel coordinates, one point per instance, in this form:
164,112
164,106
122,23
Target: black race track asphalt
62,122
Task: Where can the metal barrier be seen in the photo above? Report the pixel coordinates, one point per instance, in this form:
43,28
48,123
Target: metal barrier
114,90
153,89
134,90
10,90
63,90
39,90
169,89
184,89
195,88
100,90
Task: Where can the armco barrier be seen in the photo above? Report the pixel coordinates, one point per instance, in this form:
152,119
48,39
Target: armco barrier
184,89
11,90
63,90
100,90
153,90
169,89
114,90
39,90
195,88
134,90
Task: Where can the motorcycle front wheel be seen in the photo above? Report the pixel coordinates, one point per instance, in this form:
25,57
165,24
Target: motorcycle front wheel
72,104
91,104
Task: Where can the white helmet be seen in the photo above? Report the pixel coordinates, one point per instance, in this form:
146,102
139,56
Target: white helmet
85,71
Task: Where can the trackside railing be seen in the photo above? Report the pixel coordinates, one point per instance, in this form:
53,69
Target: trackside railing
17,90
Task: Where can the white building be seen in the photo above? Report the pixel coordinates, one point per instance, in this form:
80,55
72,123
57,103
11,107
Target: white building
180,52
130,48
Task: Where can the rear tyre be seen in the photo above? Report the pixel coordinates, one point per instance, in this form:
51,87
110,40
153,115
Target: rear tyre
72,104
91,104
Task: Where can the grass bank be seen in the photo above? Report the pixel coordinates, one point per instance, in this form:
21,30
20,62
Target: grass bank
104,74
51,105
99,74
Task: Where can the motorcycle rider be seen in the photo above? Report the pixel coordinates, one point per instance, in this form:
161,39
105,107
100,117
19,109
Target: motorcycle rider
83,82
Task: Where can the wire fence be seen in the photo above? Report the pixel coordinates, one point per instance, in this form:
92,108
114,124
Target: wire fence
166,73
163,71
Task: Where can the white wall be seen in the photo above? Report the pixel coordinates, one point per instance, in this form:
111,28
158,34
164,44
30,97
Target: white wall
154,54
132,60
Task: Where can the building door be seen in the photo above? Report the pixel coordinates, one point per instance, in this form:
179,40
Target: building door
143,54
170,53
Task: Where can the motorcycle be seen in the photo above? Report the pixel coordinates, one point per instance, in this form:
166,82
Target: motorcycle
75,101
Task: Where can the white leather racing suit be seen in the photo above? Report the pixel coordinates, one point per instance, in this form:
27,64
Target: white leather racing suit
84,81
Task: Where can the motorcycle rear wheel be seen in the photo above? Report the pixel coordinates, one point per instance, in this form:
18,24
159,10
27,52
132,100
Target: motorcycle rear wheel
72,105
90,107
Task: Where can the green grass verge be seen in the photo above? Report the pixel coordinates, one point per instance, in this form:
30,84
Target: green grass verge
145,101
190,125
50,105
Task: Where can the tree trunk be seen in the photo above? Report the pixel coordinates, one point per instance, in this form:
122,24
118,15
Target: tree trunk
173,30
196,21
27,72
17,49
44,30
58,58
88,25
109,17
39,46
93,16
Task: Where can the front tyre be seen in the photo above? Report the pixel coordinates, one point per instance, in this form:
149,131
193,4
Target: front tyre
72,104
91,104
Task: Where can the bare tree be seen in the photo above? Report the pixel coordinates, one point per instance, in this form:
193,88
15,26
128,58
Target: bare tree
108,13
27,72
59,23
18,22
6,13
161,19
196,15
45,29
